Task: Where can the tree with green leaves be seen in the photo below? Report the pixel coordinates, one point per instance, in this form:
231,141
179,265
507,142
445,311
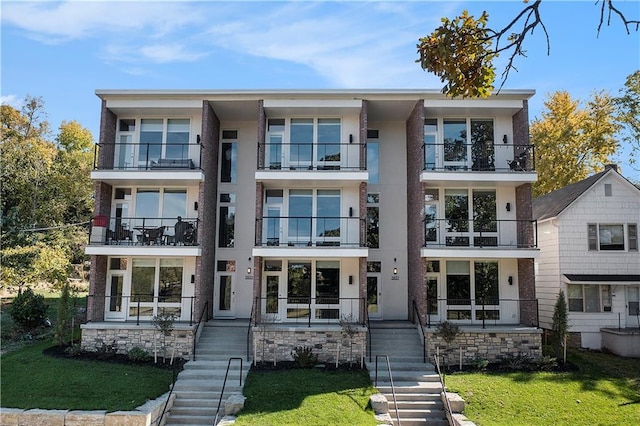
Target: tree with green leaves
462,50
46,189
628,115
560,326
573,142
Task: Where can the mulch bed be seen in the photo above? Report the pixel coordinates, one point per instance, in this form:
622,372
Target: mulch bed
61,352
291,365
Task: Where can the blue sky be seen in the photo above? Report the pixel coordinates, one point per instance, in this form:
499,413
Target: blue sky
64,51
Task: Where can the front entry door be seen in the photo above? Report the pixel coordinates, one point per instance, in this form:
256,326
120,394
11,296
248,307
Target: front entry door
374,296
115,306
224,296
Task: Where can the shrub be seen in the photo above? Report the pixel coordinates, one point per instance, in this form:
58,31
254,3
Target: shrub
304,357
138,354
479,364
107,351
64,316
74,350
28,309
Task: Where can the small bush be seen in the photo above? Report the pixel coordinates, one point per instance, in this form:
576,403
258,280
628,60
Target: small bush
74,350
107,351
520,362
28,309
138,354
546,363
304,357
479,364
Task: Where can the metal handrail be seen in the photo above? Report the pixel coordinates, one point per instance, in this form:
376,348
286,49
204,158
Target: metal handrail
305,156
146,231
366,316
148,156
339,231
166,403
249,331
444,390
393,389
416,313
224,384
336,308
123,303
480,233
487,305
463,157
205,310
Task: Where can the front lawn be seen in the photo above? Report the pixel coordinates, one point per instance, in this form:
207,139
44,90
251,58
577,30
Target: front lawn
307,397
604,391
30,379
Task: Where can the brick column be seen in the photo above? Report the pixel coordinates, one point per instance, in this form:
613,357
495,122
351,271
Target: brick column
207,214
415,206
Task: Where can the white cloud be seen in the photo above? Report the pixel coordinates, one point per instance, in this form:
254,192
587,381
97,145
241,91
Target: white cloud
172,52
11,100
64,21
361,46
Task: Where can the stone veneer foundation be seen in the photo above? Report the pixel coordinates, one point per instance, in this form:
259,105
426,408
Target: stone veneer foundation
276,343
490,344
125,336
147,414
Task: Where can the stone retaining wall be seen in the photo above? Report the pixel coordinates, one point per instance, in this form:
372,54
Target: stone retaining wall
492,345
147,414
123,337
277,343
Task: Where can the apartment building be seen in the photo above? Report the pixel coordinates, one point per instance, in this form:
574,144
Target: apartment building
301,208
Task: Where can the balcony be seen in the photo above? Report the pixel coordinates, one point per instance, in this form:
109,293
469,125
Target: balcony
151,163
293,236
480,238
478,162
307,310
478,312
328,162
143,236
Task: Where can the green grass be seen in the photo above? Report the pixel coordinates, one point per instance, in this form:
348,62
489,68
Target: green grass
307,397
30,379
605,391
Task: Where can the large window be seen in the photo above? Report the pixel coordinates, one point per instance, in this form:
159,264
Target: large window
156,287
458,212
373,220
607,237
466,144
153,205
227,220
314,216
480,289
320,279
162,138
373,156
229,157
313,143
589,298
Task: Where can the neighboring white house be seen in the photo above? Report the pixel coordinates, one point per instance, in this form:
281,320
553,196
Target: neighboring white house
588,240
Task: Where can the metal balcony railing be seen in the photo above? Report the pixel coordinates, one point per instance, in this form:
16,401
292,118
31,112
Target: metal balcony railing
147,156
307,310
480,233
142,307
482,311
144,231
310,156
299,231
459,157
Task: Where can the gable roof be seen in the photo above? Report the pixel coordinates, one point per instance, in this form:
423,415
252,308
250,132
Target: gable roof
552,204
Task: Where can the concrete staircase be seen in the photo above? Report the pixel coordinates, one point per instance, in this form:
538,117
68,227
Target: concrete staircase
199,385
417,385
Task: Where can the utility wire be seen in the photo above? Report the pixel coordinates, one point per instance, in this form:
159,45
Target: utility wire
54,227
